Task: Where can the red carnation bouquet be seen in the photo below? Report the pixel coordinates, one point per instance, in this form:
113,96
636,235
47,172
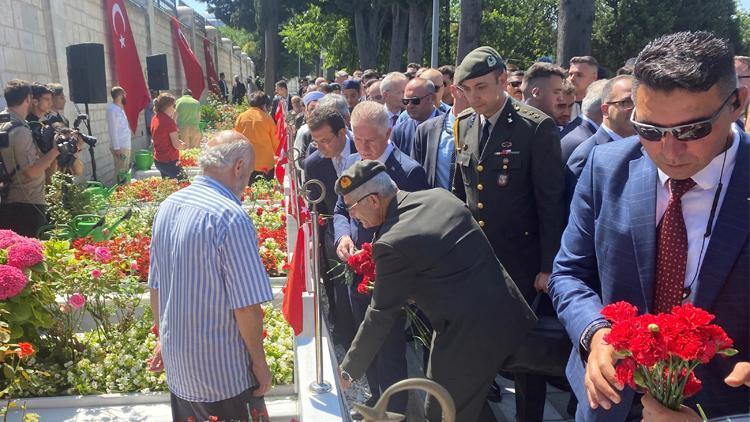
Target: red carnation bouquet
660,352
363,264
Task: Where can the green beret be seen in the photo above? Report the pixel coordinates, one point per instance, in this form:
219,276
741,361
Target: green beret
478,62
356,175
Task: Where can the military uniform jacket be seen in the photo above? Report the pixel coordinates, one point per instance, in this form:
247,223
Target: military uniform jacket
514,187
429,249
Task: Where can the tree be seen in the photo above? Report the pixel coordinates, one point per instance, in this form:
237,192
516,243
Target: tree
417,22
370,18
623,27
574,23
399,25
522,31
314,32
468,28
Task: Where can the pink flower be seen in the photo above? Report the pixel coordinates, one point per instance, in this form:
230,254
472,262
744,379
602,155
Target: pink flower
134,265
12,281
7,238
24,254
89,249
96,273
102,255
77,300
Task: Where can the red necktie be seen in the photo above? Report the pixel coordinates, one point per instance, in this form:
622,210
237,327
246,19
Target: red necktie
672,250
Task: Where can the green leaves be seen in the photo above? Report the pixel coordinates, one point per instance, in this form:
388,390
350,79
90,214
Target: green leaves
314,32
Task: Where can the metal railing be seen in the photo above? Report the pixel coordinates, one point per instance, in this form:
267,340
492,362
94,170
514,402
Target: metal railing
169,6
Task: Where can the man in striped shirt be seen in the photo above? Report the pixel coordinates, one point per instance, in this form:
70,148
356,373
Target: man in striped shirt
207,284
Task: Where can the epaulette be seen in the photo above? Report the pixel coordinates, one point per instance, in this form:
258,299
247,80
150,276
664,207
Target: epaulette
529,112
464,114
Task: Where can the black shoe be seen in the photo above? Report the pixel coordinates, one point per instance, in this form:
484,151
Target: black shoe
495,395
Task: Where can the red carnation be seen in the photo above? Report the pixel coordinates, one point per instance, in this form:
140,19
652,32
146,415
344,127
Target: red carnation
625,372
619,311
692,385
25,350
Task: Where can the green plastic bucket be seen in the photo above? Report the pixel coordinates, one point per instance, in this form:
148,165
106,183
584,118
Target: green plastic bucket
144,159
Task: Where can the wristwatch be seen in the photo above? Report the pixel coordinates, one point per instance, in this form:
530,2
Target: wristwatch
345,376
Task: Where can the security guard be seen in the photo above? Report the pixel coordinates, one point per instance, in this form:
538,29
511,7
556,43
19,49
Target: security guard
510,174
429,249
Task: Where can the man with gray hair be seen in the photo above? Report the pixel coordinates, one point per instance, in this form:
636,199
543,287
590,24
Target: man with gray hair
429,249
392,87
587,123
207,284
371,133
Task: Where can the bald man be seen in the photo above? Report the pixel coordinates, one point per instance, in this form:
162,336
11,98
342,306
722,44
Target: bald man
420,96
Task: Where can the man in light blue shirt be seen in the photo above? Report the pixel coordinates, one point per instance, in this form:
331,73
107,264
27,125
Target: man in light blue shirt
207,283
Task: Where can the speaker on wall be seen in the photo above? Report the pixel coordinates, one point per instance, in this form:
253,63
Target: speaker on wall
86,75
158,77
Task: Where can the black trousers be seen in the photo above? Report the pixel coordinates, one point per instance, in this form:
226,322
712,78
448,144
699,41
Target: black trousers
244,407
170,170
24,219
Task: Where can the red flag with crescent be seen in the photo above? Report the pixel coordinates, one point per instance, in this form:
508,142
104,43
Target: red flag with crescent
193,71
213,78
128,69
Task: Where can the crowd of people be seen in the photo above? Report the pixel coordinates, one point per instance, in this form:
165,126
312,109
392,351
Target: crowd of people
493,198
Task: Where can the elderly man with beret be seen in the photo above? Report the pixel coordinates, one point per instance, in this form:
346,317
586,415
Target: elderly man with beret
429,249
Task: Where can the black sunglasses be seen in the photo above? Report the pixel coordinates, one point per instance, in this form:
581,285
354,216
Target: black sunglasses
687,132
415,100
515,84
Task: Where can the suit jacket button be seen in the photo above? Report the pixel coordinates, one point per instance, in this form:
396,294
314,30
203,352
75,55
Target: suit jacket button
480,205
481,223
480,187
480,168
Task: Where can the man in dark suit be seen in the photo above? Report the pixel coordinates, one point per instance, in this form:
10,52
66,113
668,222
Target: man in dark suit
370,126
616,107
419,99
511,176
222,86
587,123
334,145
640,223
434,146
429,249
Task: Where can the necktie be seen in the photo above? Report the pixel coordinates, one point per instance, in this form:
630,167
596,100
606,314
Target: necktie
672,250
486,131
393,120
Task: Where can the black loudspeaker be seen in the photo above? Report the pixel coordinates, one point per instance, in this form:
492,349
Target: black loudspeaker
158,77
87,78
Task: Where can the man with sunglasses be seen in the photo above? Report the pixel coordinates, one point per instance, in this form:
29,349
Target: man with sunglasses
513,88
661,220
510,174
419,99
617,105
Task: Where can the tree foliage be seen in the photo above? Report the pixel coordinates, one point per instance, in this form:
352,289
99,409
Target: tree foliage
521,31
313,33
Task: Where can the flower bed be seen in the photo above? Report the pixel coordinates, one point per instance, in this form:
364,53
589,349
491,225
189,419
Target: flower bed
45,352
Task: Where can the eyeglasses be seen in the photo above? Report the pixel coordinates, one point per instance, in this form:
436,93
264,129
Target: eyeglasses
351,207
515,84
687,132
415,100
625,104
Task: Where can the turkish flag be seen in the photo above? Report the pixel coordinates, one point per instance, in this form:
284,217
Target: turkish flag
283,136
291,306
193,71
213,79
127,65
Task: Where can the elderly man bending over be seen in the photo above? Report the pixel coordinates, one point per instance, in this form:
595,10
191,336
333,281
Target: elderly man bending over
207,283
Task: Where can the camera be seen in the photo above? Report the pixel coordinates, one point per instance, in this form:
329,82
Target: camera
4,136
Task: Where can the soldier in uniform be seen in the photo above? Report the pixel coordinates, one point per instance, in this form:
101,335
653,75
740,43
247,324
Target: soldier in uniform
510,174
429,249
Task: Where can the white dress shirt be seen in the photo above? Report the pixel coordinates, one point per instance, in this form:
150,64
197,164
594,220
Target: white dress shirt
118,127
611,133
696,206
340,160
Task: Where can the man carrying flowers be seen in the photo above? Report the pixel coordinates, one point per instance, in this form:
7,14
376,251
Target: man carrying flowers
429,249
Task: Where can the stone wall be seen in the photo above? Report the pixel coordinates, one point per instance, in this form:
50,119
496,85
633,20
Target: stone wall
35,33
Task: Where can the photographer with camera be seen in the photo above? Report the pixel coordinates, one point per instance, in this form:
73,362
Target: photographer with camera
55,114
22,171
49,134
